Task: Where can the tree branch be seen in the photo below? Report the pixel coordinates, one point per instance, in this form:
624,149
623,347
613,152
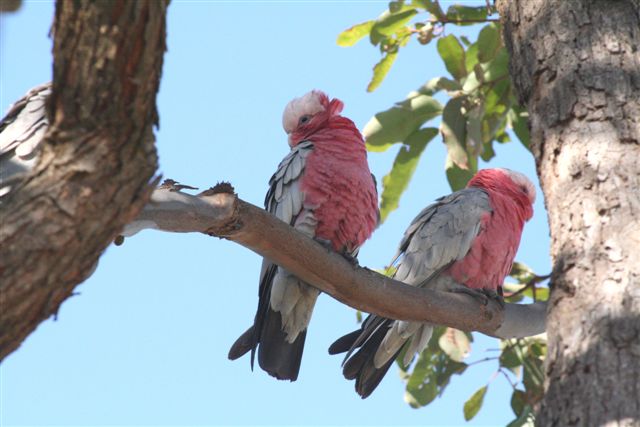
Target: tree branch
218,212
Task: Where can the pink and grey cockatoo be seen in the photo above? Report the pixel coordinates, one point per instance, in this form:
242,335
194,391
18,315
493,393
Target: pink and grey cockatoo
22,130
324,189
464,242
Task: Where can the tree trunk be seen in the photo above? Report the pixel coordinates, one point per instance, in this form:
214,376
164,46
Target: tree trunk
576,66
98,157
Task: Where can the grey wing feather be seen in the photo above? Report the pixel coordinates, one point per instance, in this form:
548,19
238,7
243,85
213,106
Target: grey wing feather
21,131
440,235
284,198
284,185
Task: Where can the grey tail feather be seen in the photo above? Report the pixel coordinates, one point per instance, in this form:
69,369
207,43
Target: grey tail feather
359,364
276,355
344,343
242,345
369,376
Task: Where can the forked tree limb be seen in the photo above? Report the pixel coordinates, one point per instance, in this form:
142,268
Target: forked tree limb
219,212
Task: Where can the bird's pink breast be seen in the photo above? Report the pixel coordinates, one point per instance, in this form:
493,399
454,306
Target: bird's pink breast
491,255
339,188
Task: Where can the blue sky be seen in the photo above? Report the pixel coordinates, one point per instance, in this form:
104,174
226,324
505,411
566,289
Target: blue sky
146,339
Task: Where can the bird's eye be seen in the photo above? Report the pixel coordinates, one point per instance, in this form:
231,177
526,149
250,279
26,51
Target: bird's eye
524,189
304,119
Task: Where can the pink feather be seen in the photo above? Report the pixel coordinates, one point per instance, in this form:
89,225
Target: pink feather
490,258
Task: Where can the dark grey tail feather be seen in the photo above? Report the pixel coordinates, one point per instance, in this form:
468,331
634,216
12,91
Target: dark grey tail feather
276,355
361,368
344,344
242,345
369,376
361,346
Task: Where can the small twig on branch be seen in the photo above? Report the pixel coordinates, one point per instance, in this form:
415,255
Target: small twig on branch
528,284
486,359
511,383
218,212
462,21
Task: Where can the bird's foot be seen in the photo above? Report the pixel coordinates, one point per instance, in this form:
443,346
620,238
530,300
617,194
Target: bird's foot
482,295
352,260
327,244
475,293
494,296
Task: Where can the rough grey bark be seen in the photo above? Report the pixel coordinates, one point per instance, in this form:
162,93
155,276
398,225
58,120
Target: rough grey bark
96,162
576,66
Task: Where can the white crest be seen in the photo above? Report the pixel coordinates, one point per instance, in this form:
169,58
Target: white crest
308,104
521,179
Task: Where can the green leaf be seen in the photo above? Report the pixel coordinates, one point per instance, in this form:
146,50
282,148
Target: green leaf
489,42
421,387
521,272
446,369
375,37
421,3
509,359
358,316
518,400
381,69
526,419
432,7
396,181
471,82
541,292
474,131
471,57
396,6
533,375
473,405
519,118
437,84
389,23
498,98
456,176
453,128
487,151
472,15
455,344
431,373
397,123
352,35
498,67
538,349
452,53
502,136
399,361
510,288
497,104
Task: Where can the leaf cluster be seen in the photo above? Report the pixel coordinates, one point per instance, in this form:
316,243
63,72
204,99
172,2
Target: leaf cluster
480,101
475,105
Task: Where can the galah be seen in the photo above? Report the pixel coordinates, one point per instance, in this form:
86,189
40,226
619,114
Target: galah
21,132
464,242
324,189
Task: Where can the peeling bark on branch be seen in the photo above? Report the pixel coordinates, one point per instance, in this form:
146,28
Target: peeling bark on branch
576,66
97,158
224,215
